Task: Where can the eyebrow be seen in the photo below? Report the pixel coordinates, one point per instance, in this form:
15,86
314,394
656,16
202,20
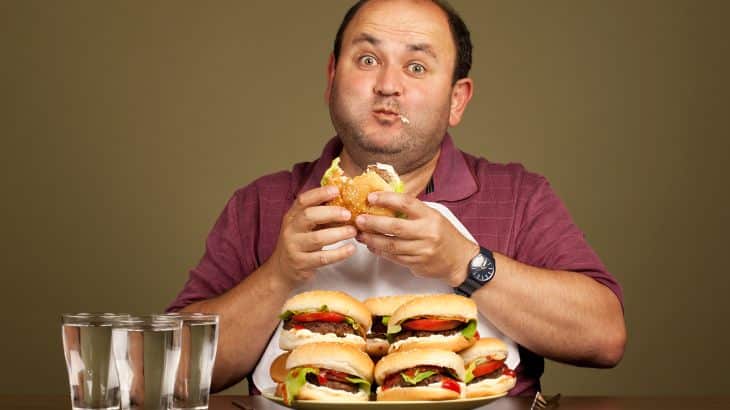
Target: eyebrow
419,47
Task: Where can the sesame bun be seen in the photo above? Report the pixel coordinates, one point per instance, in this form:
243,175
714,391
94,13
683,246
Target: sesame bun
453,343
489,347
395,362
386,305
354,191
336,301
334,356
490,387
442,305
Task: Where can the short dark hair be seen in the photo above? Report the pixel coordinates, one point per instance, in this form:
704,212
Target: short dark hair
459,32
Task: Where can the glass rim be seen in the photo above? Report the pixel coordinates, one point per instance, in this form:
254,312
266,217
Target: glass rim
192,316
103,318
147,322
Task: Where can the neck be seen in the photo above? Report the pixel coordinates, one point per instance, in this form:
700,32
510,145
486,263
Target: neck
414,181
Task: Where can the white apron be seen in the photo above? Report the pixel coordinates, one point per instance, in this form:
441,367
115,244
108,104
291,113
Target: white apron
365,275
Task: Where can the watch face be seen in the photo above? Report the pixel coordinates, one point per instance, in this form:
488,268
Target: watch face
482,268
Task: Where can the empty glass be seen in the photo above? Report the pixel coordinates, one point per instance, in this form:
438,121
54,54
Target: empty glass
87,346
198,347
146,351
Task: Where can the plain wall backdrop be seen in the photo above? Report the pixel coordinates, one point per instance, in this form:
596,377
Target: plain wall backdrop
126,126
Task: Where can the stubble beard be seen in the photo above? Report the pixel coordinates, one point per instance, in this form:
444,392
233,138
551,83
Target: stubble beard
412,147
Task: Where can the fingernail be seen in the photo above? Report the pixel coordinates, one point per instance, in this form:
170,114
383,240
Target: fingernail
360,219
372,197
332,190
346,214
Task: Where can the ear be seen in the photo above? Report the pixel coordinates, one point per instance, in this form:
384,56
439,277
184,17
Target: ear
460,97
330,78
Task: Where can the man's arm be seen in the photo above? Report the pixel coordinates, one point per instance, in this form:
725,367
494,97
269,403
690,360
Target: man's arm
564,316
248,311
561,315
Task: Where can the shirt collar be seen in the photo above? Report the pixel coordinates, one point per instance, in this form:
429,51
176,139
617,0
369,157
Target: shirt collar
452,179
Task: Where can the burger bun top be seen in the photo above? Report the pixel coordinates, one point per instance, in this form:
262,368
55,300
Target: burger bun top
334,356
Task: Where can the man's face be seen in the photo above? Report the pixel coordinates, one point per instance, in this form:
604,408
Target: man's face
397,58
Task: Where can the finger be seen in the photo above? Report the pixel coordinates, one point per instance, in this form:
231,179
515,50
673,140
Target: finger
390,244
309,218
411,207
315,240
398,227
313,260
315,196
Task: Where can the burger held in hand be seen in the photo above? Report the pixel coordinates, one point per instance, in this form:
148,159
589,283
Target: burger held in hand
354,191
420,374
323,316
327,372
486,373
443,321
381,309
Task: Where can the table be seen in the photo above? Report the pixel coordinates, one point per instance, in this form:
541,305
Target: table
41,402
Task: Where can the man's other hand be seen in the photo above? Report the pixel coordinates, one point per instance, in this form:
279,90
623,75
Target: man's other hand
426,242
298,251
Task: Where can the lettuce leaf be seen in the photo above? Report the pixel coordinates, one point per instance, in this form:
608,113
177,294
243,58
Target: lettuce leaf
385,320
333,172
470,330
418,377
361,383
352,322
469,375
294,381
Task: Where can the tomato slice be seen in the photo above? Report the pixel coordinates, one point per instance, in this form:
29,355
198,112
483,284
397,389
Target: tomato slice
487,368
431,325
334,375
450,384
319,317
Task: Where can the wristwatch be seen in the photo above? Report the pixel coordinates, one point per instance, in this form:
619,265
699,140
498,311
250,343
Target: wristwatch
480,272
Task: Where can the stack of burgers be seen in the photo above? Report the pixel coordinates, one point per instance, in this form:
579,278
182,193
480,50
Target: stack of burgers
426,346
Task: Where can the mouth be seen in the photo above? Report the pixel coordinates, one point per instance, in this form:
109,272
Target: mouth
390,116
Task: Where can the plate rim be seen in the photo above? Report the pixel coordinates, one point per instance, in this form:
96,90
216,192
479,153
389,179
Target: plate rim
269,394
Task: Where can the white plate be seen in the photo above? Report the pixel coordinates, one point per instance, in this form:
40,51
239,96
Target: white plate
459,404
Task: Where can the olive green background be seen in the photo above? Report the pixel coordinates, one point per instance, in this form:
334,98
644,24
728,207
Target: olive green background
125,127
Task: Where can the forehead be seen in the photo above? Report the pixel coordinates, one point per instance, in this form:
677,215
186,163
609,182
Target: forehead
403,21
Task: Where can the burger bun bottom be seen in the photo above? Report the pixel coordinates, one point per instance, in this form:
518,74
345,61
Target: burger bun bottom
455,343
490,387
417,393
311,392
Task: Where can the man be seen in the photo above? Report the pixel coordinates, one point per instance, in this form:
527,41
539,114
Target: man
549,292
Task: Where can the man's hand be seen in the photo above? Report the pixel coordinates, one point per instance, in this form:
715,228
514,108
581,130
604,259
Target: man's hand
426,242
298,250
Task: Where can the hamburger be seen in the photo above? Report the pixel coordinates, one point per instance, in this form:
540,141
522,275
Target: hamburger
354,191
327,372
381,309
441,321
486,372
323,316
420,374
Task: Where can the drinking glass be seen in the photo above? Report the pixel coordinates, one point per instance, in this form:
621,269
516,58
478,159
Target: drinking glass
198,347
87,346
146,351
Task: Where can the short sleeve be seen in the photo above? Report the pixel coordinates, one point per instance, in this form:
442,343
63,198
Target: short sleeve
229,256
547,237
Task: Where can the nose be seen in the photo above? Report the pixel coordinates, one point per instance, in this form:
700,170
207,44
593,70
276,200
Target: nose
388,82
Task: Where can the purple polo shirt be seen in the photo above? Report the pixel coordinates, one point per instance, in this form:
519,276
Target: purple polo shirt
506,208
